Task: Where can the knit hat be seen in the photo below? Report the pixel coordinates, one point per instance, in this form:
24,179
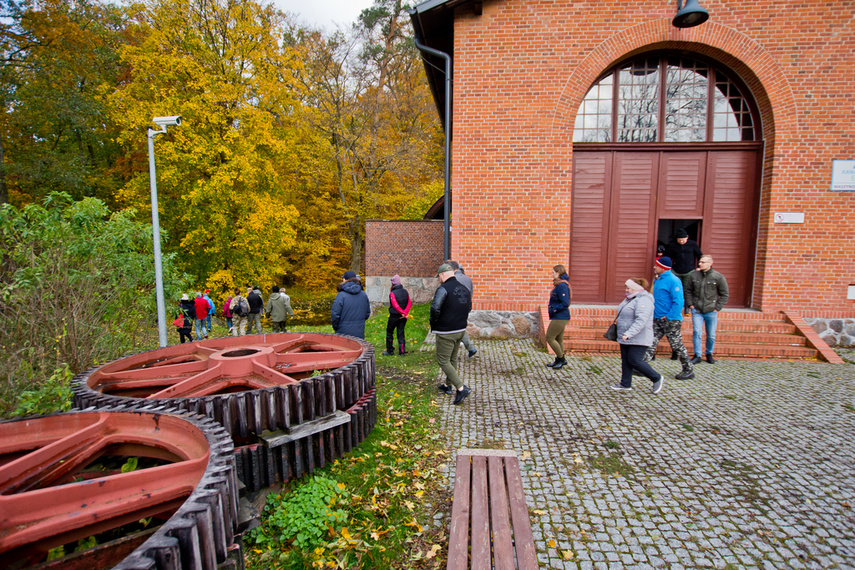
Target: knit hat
348,274
207,291
630,284
396,280
275,288
664,262
682,233
444,268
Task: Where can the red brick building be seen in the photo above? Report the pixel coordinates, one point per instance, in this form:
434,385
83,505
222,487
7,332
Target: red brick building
586,131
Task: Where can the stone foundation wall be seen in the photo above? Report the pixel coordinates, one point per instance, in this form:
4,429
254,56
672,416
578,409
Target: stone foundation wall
835,332
421,289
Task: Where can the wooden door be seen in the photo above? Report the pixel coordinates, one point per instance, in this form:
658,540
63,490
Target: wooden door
619,197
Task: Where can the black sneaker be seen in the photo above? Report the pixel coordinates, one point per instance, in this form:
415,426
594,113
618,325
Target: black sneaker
695,360
472,352
445,389
710,359
685,375
387,353
461,395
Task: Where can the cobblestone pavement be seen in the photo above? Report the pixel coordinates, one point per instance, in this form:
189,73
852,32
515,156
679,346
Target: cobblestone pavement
749,465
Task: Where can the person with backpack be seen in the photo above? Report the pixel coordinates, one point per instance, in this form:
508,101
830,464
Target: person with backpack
227,314
239,308
188,312
351,307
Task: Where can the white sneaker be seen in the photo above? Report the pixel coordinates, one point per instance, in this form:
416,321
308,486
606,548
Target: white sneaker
657,386
619,386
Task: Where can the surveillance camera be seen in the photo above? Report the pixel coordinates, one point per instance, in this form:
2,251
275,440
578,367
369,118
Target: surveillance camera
167,121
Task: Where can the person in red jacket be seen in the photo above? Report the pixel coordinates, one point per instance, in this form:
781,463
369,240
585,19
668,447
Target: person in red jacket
201,320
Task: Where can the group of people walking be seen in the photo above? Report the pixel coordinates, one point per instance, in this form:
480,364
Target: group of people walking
644,317
243,309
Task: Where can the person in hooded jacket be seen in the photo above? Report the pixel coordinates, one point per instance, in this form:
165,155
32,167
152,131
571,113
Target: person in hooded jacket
351,308
399,311
188,311
559,314
278,309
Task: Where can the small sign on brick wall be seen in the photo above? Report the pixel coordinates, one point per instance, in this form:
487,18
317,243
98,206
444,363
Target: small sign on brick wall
789,217
843,175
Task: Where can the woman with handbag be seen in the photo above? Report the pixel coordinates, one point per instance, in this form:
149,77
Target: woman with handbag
559,314
635,334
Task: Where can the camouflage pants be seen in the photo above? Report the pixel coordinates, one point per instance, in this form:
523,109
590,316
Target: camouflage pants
672,331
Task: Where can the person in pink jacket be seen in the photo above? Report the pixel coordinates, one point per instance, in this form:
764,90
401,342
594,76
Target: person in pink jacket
399,311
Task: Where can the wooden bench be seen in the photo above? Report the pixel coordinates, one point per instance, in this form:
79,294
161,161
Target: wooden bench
489,513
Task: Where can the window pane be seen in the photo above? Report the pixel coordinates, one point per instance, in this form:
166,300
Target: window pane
594,119
731,114
638,101
686,101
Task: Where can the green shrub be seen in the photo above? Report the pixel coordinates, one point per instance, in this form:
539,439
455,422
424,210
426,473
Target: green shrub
303,517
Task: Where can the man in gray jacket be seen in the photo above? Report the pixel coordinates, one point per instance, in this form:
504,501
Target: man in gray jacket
706,295
466,281
278,309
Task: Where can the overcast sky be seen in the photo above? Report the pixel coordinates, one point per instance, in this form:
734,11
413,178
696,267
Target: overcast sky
324,13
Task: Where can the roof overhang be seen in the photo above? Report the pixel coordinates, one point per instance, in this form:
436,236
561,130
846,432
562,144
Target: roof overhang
433,24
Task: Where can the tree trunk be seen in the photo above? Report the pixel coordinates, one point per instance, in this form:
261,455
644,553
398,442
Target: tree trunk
4,193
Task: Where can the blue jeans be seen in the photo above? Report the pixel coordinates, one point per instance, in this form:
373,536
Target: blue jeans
699,320
201,330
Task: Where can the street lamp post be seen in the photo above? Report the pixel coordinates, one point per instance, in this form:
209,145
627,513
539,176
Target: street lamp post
161,122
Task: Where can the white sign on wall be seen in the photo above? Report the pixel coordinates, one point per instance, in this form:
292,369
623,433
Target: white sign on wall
789,217
843,175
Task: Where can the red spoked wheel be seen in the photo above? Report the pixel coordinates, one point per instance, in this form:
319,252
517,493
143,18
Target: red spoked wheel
251,385
102,474
224,366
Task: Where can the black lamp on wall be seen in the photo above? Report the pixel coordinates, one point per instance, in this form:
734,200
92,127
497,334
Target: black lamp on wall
689,15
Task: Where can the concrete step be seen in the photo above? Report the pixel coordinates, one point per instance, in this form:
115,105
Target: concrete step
722,350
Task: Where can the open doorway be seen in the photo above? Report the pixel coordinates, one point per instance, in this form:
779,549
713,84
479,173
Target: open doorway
668,228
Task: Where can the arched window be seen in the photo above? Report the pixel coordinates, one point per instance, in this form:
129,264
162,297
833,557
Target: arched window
694,103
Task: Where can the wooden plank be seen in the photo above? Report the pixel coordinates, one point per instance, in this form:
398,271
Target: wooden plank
281,437
480,533
458,534
523,538
503,551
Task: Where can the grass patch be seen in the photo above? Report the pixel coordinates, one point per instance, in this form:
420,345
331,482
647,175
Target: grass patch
611,464
688,427
612,444
381,498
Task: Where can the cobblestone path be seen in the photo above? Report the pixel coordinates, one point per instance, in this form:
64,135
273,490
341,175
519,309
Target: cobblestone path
749,465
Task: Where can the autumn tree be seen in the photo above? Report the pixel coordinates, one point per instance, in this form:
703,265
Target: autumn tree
226,174
368,96
58,59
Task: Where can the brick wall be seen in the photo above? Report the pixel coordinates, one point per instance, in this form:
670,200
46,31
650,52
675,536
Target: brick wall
521,69
409,248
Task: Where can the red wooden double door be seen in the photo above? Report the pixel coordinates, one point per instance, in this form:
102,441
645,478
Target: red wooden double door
621,199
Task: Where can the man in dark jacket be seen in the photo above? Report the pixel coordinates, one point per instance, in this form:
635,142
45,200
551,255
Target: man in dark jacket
684,254
351,307
706,295
449,314
256,306
466,281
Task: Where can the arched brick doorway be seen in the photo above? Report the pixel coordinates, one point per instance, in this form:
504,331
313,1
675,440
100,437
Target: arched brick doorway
663,141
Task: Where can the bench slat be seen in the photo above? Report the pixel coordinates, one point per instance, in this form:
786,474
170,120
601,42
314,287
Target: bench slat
480,519
502,546
458,536
523,538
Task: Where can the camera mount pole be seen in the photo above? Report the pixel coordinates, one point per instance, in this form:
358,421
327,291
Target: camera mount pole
155,224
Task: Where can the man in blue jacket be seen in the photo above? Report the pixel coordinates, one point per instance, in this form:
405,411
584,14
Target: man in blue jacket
351,308
668,315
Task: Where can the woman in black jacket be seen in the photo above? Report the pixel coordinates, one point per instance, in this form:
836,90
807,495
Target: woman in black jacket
399,311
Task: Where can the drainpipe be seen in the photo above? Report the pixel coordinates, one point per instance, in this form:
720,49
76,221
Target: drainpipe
447,195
